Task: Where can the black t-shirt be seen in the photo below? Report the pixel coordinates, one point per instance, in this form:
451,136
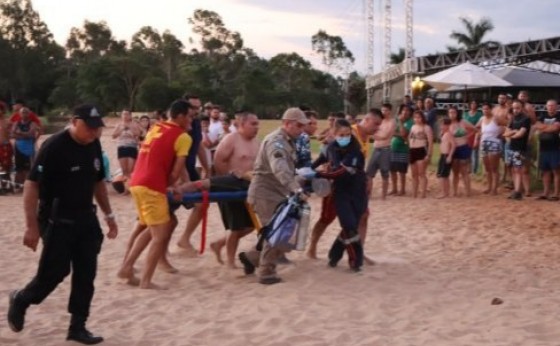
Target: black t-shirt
520,121
549,141
69,171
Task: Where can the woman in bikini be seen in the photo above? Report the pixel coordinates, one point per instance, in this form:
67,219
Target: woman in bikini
420,141
461,130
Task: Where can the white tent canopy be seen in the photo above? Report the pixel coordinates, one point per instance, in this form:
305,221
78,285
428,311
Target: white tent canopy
464,75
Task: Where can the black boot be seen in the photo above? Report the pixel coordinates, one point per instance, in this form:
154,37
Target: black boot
16,312
336,252
78,332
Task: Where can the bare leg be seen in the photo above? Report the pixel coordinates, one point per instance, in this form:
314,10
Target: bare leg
495,168
546,175
160,238
163,263
192,223
402,177
394,187
232,241
556,174
127,268
423,165
526,176
465,173
362,231
455,168
384,187
217,247
517,173
316,234
486,160
138,229
414,169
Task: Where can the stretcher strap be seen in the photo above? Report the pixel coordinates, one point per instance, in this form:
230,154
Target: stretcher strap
254,218
205,204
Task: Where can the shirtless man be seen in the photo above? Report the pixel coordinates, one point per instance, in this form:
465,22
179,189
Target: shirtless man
6,151
233,162
380,159
529,110
501,114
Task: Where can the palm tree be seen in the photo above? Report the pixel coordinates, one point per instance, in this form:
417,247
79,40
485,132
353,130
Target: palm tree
397,58
473,38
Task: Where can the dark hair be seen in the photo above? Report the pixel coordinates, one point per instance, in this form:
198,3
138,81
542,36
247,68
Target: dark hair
341,123
304,108
145,116
204,118
311,114
486,103
226,120
518,101
459,115
387,105
216,107
403,106
179,107
376,112
187,96
421,114
19,101
339,115
446,121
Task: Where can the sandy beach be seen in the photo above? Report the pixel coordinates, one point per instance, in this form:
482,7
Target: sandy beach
440,264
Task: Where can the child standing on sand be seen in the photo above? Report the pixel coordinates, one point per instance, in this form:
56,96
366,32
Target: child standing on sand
446,148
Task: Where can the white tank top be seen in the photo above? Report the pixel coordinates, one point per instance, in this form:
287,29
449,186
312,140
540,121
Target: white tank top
490,132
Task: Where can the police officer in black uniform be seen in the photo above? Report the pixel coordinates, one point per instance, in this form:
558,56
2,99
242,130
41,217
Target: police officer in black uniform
58,193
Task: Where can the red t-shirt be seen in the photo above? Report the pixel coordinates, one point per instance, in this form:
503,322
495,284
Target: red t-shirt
163,143
16,117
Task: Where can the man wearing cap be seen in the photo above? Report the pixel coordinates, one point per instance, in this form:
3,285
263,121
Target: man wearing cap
66,175
273,180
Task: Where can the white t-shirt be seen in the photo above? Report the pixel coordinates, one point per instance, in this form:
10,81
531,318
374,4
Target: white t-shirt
215,131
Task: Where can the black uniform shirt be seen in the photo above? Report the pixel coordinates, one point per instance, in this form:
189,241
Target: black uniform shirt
69,171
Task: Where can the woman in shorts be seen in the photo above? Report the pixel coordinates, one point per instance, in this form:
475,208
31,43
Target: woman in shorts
127,133
420,142
490,147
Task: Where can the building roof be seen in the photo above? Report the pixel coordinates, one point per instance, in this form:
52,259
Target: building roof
523,77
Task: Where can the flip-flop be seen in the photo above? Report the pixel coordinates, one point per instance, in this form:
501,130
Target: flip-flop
553,198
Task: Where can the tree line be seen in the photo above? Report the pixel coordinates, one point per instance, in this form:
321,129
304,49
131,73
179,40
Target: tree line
152,68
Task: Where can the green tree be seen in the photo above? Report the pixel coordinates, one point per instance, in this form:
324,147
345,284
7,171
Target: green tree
32,58
474,35
398,57
215,38
93,40
333,51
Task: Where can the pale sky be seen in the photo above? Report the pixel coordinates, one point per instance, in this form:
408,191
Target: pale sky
271,27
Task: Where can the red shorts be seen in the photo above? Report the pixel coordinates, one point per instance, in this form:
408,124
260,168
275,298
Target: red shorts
6,154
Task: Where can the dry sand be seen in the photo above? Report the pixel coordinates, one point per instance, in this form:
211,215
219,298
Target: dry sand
440,263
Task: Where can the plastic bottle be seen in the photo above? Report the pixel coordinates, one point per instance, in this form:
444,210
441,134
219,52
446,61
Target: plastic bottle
303,229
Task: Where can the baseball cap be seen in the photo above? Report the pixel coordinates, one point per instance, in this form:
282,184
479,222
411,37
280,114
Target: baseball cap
90,114
297,114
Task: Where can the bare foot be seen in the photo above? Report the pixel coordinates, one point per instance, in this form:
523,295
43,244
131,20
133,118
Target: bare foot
186,251
217,250
232,266
133,281
167,267
152,286
125,273
311,254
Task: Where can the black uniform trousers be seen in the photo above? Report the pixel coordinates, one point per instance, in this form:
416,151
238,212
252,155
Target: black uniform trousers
350,204
69,244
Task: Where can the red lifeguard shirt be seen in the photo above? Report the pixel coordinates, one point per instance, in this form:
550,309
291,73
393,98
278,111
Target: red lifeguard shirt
16,117
164,142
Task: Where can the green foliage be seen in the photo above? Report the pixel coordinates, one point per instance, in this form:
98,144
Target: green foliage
152,69
474,35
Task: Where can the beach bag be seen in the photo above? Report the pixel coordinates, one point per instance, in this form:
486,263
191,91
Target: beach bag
287,230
